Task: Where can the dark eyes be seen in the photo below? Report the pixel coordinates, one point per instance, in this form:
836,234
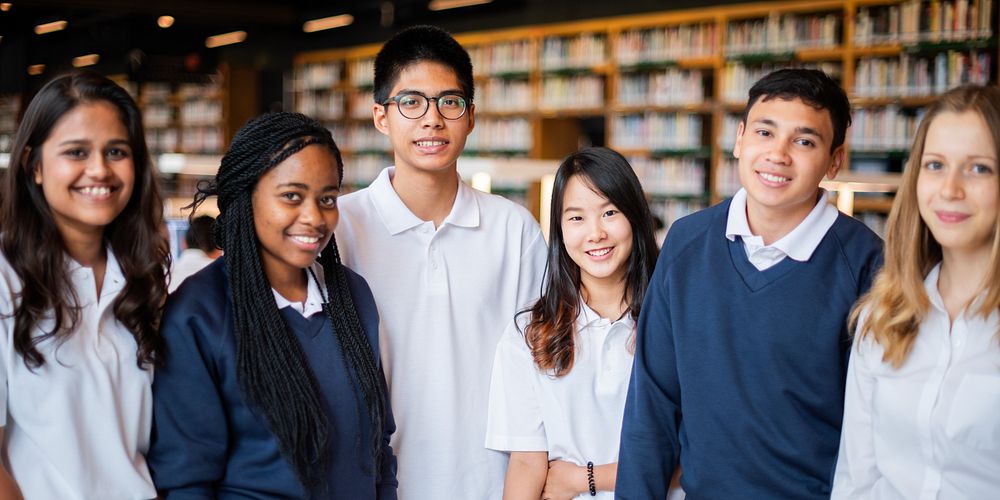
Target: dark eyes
111,153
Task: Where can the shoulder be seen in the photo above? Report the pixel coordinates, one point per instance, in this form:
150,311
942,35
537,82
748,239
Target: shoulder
204,295
512,343
497,209
354,202
10,283
860,245
360,291
693,228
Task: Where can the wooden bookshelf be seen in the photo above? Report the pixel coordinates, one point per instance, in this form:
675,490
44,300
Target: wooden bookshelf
670,87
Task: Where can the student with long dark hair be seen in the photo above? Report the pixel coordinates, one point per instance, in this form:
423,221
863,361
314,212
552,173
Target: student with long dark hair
82,283
561,370
272,386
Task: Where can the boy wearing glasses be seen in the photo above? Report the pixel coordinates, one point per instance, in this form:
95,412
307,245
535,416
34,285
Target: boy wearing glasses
449,267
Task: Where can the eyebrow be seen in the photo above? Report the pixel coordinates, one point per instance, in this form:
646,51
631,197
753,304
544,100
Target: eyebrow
88,142
300,185
443,92
799,130
966,157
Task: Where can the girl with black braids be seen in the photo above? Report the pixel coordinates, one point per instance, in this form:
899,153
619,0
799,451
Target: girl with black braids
271,386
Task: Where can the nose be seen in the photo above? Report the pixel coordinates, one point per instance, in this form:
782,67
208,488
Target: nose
778,153
432,118
310,214
596,231
953,185
98,167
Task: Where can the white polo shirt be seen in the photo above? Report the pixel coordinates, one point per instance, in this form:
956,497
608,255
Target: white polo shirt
799,244
444,297
577,417
78,426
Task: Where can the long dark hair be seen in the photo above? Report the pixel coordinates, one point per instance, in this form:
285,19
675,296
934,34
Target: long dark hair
550,331
271,366
36,251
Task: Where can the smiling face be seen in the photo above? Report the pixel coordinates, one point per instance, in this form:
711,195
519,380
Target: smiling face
86,170
784,153
957,186
597,237
430,143
295,211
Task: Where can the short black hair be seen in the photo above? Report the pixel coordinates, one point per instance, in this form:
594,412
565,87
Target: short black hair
418,44
201,233
812,87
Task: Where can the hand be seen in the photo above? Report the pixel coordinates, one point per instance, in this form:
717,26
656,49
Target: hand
564,481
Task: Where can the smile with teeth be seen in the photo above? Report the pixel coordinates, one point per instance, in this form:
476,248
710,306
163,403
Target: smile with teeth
772,177
431,143
308,240
600,252
95,191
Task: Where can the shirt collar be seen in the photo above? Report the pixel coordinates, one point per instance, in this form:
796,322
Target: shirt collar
398,218
114,279
589,317
801,242
314,299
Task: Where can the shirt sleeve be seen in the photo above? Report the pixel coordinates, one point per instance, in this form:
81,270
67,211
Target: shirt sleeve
187,453
514,418
650,447
856,472
6,325
532,270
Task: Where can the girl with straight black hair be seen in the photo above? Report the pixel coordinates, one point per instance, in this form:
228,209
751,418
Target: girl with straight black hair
272,386
562,368
82,284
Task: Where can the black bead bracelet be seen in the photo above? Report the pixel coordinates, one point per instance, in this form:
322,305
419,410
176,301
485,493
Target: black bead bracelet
590,479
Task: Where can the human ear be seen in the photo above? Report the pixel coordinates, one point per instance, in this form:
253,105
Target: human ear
380,118
838,161
739,140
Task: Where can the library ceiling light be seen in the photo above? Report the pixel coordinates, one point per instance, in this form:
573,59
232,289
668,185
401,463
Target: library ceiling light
454,4
36,69
225,39
87,60
165,21
327,23
4,6
42,29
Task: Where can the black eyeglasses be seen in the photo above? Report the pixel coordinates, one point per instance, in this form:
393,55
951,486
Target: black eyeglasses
414,105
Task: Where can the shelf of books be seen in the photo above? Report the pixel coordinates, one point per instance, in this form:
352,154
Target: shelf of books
668,89
10,106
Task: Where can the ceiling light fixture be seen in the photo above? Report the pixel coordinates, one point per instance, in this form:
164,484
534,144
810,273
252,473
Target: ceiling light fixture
454,4
327,23
87,60
42,29
225,39
165,21
5,6
36,69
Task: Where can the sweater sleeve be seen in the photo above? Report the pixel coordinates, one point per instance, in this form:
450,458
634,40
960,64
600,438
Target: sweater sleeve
187,454
388,484
650,446
856,472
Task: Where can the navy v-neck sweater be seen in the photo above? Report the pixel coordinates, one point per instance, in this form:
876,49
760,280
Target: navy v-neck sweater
739,373
209,442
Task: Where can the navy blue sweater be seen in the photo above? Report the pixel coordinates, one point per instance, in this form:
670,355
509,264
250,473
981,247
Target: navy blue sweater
209,442
739,373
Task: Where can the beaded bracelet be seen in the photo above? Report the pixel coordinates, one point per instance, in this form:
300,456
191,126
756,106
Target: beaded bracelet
590,479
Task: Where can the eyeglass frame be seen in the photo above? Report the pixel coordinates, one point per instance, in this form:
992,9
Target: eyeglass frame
427,106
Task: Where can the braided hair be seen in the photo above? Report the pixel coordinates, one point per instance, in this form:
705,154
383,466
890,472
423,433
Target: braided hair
271,365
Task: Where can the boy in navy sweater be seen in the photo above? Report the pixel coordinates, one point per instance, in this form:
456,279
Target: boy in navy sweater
742,347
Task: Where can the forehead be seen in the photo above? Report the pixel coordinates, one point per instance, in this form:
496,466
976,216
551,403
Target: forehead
579,191
428,77
90,119
314,165
964,133
792,113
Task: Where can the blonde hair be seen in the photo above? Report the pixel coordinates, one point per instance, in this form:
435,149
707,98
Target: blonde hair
897,302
